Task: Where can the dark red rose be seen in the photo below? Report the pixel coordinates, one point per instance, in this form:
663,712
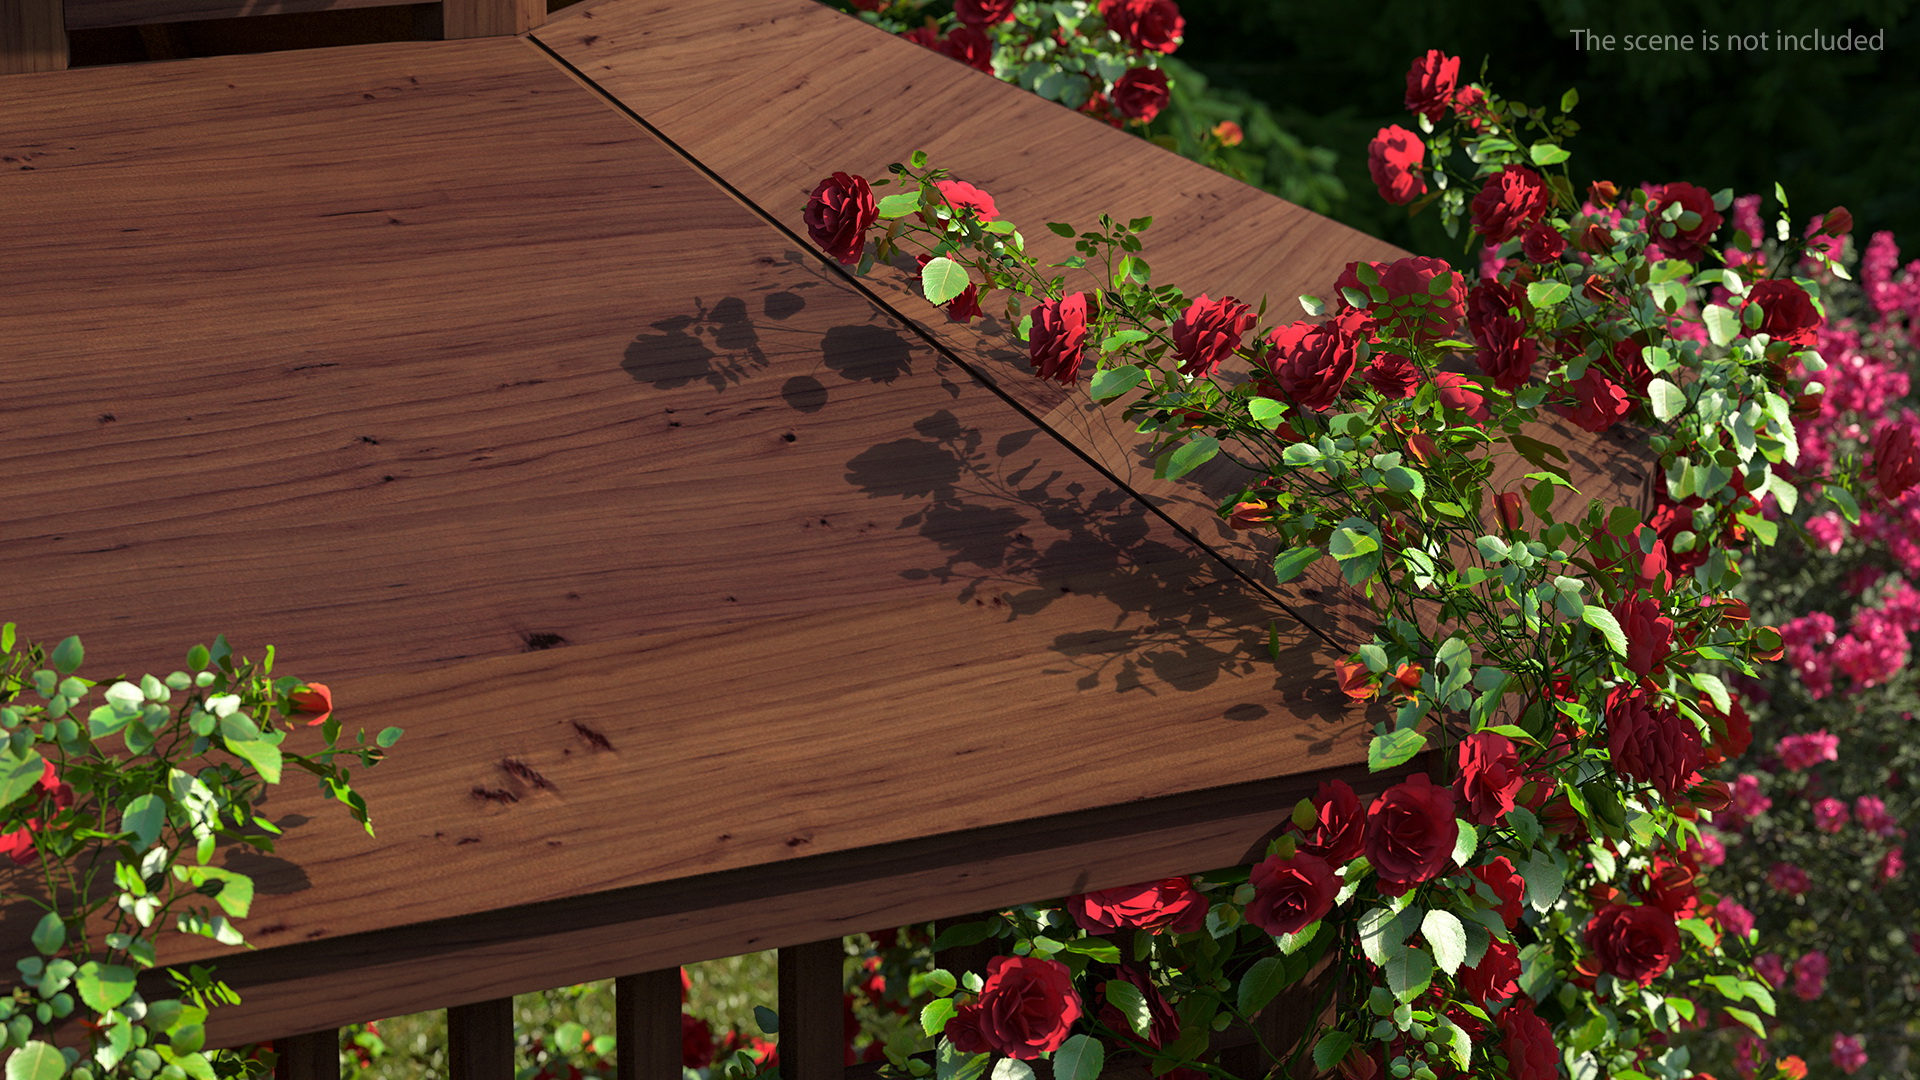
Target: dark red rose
1350,279
1058,340
1430,83
961,308
838,214
1649,633
1154,25
1732,731
1528,1043
1506,353
1469,102
1669,886
1896,462
1835,222
1510,203
983,13
1507,884
1459,392
1595,239
1340,829
1495,978
1393,160
1644,569
1669,520
1392,375
1141,93
1490,777
1651,742
1208,332
1311,362
964,196
1291,894
1634,944
696,1042
964,1031
1687,237
1598,402
1425,296
1627,364
1411,833
1788,312
1491,301
1543,243
1027,1007
1169,904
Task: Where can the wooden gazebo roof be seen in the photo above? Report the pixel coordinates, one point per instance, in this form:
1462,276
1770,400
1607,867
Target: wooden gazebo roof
728,603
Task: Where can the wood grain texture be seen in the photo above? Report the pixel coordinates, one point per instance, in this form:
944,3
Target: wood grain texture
676,556
812,1039
480,1040
646,1025
491,18
313,1056
93,14
33,36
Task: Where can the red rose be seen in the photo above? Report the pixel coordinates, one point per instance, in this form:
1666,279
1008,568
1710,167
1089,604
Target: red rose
1787,311
1209,332
1495,978
1627,364
1543,243
1411,833
1459,392
1141,93
964,196
1393,160
1732,731
1685,238
1430,83
1510,203
838,214
1291,894
1528,1042
1649,633
1425,294
1491,301
696,1042
1154,25
1340,829
316,699
1669,520
1490,777
1311,362
1470,102
1027,1007
1058,340
964,1031
1670,888
1249,515
961,308
1392,375
1644,570
969,46
1169,904
1633,944
1163,1024
1350,279
1651,743
1229,133
1506,353
983,12
1598,402
1507,885
1896,465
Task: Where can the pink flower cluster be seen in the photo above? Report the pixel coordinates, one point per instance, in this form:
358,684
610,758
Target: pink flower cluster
1799,753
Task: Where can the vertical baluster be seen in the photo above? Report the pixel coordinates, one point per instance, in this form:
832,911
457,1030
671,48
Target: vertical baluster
646,1025
812,1025
965,958
480,1040
491,18
34,33
308,1057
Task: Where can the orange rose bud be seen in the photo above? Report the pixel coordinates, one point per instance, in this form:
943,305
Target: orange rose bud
1507,503
1355,680
1249,515
1602,193
1595,239
314,698
1595,289
1406,679
1228,133
1792,1067
1768,644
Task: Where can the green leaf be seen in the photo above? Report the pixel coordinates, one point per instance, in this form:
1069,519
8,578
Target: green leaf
1079,1058
1113,382
103,986
1394,748
1408,973
1189,456
1131,1003
1459,1043
1546,294
1602,620
1292,563
1446,937
1406,481
143,817
1331,1050
1746,1017
1266,412
1098,948
1669,400
1843,499
6,638
934,1017
952,1064
1260,984
1463,848
768,1020
902,204
1544,878
1299,454
1012,1069
18,775
1701,932
36,1060
1714,689
1567,101
1544,154
1722,324
1312,305
1122,339
50,933
942,279
961,935
68,656
1525,826
389,736
1061,228
198,657
262,755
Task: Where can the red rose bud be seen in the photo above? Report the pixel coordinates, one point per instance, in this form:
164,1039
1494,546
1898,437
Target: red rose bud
1459,392
1209,332
1228,133
1595,239
1057,342
1896,456
1507,504
1406,680
1602,193
1154,906
1836,222
1649,633
1543,243
1561,819
961,195
1598,402
1495,978
314,699
1768,645
1712,796
838,214
1393,160
1595,289
1338,827
1430,84
1355,680
1507,885
1141,93
1507,354
1510,203
1249,515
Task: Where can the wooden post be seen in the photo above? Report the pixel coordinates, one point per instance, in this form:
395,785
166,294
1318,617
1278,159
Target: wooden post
812,1007
308,1057
480,1040
491,18
646,1025
33,36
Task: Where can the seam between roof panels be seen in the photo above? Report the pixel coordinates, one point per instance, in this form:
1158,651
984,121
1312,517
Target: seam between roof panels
925,336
